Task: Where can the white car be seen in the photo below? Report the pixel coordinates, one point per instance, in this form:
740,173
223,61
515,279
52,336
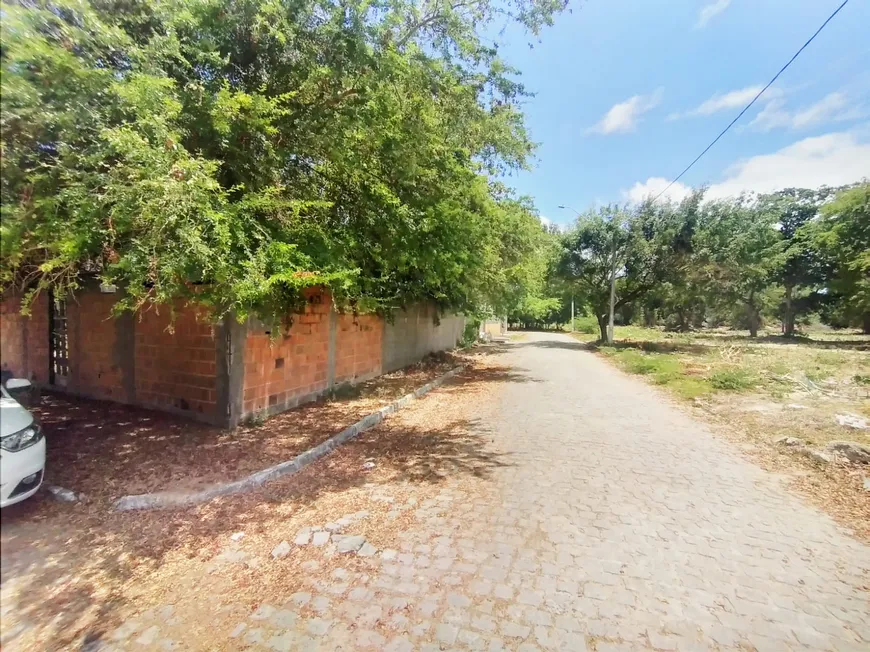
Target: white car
22,446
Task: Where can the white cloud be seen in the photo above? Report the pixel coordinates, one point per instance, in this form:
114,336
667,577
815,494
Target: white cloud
736,99
652,187
710,11
828,107
832,159
834,107
546,221
623,117
772,116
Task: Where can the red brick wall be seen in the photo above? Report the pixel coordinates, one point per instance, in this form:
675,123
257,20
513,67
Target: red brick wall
175,368
95,369
12,337
24,340
358,347
284,367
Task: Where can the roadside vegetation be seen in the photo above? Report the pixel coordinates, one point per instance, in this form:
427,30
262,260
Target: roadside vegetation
777,262
234,153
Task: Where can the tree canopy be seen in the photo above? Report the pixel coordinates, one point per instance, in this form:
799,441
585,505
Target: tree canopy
737,261
236,152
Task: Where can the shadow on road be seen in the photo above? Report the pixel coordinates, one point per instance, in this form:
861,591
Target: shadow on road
568,344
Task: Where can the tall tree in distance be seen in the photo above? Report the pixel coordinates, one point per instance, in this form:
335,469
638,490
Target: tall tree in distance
800,265
640,245
737,248
843,234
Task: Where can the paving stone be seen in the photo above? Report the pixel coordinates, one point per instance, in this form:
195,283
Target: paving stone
284,642
399,644
483,623
125,630
320,538
254,636
301,598
458,600
148,636
367,550
446,633
283,618
350,543
514,630
303,536
281,550
318,626
263,612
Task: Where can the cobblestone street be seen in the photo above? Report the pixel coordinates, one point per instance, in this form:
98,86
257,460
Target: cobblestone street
615,522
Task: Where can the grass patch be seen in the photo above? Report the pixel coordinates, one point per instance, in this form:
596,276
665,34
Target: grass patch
690,388
662,369
732,379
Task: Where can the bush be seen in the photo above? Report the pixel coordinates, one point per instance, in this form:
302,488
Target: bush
732,379
471,332
586,325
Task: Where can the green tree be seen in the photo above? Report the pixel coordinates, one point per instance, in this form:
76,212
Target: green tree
235,152
737,251
800,265
843,234
639,245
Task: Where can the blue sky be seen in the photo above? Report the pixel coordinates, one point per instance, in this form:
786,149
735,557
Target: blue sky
628,92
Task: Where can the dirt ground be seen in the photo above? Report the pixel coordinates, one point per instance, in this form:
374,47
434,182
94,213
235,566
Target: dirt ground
73,573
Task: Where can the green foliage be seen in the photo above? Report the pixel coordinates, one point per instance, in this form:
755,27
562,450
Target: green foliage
738,263
732,379
843,235
662,369
586,325
640,244
470,333
236,152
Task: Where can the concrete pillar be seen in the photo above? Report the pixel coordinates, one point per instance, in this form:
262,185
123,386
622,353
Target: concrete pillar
230,339
333,335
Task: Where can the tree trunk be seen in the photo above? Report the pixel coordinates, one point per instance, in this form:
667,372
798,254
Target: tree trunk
788,321
682,326
867,323
602,327
753,316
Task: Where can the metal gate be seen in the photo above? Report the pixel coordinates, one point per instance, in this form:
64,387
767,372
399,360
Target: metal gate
58,343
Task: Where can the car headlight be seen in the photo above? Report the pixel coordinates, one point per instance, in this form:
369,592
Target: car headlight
20,440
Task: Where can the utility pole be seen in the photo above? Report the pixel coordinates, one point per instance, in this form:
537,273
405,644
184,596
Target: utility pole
563,206
612,292
572,312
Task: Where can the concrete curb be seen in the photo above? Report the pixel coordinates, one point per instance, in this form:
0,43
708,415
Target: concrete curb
174,499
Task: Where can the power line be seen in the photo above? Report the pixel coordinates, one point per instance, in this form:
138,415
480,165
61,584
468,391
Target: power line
746,108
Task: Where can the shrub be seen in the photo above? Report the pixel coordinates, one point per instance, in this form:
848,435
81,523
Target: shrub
732,379
470,334
586,325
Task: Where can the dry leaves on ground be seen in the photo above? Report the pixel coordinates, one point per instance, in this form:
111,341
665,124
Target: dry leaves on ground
73,571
